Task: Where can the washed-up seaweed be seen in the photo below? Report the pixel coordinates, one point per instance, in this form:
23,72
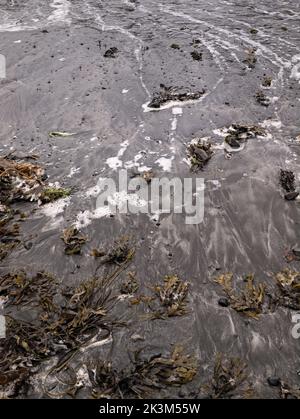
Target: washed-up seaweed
130,285
62,326
288,284
73,240
169,94
19,180
249,300
238,134
267,81
170,298
251,58
19,288
9,232
228,380
62,134
196,55
289,392
287,182
145,376
262,99
200,152
120,252
53,194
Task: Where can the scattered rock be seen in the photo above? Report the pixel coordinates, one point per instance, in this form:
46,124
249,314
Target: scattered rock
111,52
291,196
223,302
274,381
196,55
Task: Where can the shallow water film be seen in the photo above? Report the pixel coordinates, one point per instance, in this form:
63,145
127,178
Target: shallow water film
104,291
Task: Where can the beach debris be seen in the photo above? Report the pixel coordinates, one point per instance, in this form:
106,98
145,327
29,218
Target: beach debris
287,182
19,180
18,287
111,52
274,381
130,285
148,176
171,298
237,134
169,94
229,379
145,376
249,300
288,283
9,232
289,392
120,252
267,81
51,194
293,254
63,324
196,55
251,58
62,134
73,240
200,152
262,99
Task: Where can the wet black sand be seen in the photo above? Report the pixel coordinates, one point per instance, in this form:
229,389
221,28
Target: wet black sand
59,80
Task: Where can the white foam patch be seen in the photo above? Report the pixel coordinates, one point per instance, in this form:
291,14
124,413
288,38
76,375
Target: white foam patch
116,162
271,123
53,209
295,74
165,163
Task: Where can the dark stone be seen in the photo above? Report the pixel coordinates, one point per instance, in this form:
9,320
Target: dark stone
224,302
274,381
291,196
232,141
296,251
111,52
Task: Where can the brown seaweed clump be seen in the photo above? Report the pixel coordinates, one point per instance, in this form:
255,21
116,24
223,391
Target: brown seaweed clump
9,232
144,377
170,298
19,180
288,283
200,152
287,182
73,240
120,252
249,301
19,288
60,326
228,380
289,392
251,58
238,134
169,94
